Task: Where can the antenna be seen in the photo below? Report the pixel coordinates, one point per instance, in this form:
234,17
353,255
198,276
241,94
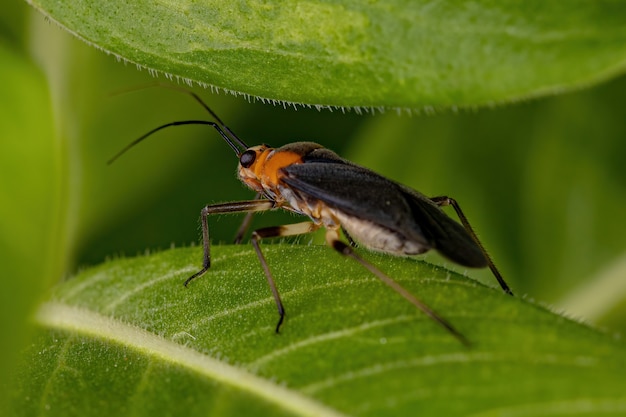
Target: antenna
236,144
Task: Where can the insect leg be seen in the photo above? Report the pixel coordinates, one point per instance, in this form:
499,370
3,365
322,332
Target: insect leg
245,224
447,201
332,239
278,231
347,235
234,207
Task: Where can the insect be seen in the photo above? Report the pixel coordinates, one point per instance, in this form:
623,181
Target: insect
340,196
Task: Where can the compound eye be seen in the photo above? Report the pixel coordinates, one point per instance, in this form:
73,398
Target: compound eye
247,158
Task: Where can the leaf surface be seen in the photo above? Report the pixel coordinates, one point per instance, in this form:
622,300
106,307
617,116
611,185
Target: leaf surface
129,337
391,53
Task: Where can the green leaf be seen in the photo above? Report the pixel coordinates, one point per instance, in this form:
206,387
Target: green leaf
127,338
392,53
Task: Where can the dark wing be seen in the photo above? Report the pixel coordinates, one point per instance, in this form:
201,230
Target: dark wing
364,194
450,238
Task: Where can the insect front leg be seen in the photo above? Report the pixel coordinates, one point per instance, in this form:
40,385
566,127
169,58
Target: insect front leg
447,201
332,239
278,231
234,207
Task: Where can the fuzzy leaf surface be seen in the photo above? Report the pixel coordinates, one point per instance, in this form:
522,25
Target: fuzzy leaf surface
128,337
391,53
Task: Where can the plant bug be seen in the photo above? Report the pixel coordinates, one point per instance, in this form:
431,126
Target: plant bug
371,210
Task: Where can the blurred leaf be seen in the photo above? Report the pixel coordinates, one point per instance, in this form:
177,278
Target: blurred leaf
31,189
12,20
392,53
128,338
601,298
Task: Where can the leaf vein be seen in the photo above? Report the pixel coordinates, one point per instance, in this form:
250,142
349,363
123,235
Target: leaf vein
81,321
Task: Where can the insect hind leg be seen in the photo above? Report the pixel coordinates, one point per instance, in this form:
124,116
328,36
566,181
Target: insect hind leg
332,239
447,201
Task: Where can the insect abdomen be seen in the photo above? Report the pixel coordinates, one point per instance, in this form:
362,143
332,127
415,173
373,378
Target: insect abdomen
379,238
